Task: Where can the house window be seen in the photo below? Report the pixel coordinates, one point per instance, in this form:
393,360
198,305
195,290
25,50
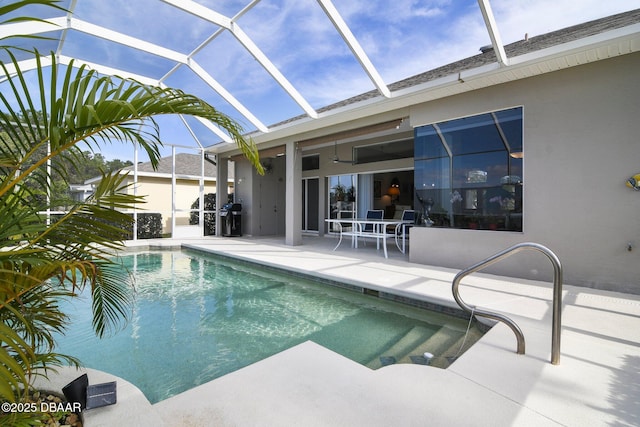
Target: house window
468,172
383,151
311,162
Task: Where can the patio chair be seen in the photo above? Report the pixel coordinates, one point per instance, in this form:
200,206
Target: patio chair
372,214
346,226
402,230
370,230
390,211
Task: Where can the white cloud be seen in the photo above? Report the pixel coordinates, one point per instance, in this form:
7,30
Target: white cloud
457,30
517,17
336,86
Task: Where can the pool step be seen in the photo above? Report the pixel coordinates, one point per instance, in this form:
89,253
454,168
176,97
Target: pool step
445,344
439,343
403,346
448,356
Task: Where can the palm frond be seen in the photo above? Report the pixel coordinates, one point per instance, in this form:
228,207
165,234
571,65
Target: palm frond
42,262
94,228
112,298
88,107
15,354
5,9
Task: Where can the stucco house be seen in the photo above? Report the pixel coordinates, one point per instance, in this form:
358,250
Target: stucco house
80,192
173,187
531,141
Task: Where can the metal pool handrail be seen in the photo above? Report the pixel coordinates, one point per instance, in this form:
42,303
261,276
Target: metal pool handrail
557,295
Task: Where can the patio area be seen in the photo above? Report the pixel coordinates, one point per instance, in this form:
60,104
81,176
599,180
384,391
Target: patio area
597,382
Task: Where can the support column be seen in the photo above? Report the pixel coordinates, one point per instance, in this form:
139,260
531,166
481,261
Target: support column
135,192
201,195
293,205
173,191
322,205
222,193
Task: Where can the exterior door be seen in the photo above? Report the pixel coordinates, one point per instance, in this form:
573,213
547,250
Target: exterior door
272,200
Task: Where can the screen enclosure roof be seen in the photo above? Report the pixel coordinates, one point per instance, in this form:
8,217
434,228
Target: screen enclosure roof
281,67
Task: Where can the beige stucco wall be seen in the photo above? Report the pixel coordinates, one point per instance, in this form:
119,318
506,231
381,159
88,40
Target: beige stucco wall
158,198
581,143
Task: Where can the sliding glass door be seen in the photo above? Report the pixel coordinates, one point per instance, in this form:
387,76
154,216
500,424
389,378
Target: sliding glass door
342,196
310,204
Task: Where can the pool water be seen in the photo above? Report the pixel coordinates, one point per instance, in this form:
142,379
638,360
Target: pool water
197,317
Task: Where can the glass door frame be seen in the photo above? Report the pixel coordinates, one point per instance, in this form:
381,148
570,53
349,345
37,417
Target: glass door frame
341,196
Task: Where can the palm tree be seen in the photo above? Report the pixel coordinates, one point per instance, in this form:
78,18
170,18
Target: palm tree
42,263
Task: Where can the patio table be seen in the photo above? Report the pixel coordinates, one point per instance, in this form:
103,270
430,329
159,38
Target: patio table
378,231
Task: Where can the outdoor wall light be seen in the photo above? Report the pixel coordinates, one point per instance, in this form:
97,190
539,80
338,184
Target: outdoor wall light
634,182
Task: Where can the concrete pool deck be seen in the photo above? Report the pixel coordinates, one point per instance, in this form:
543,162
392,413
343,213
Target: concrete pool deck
597,382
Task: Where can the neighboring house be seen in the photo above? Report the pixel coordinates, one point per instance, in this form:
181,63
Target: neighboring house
534,145
162,195
80,192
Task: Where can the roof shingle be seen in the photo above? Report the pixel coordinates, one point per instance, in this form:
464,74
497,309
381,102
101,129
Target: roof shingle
518,48
186,164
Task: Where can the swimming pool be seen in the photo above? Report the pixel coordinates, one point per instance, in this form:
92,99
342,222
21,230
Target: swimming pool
198,317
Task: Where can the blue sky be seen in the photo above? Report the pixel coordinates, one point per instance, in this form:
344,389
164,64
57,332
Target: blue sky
401,37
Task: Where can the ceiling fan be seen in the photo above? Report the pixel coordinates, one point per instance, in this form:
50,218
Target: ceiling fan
336,159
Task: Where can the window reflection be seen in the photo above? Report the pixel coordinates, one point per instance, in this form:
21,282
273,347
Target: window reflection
342,198
468,172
